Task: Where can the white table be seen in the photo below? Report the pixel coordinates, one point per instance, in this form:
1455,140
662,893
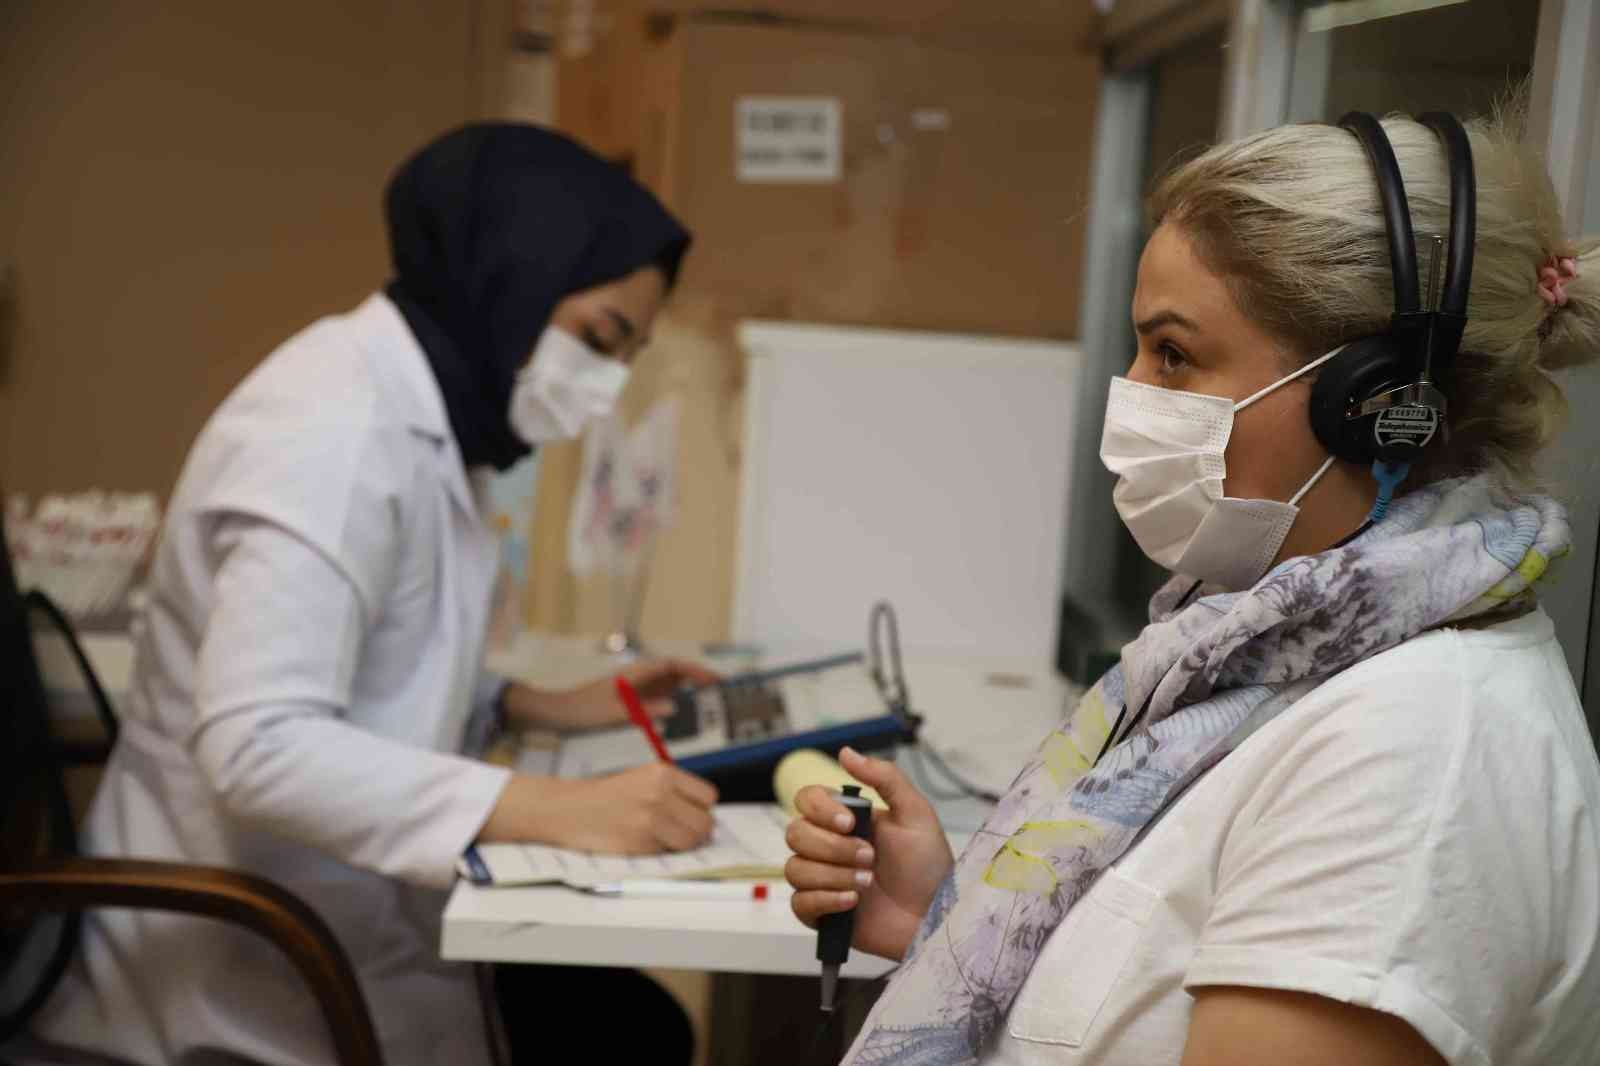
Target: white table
558,925
555,660
984,716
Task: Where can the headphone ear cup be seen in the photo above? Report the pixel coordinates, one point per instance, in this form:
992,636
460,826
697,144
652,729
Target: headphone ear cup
1365,368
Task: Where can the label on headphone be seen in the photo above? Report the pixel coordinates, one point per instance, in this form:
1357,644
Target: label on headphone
1406,424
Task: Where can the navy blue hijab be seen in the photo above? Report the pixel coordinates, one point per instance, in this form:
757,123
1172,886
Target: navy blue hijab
490,227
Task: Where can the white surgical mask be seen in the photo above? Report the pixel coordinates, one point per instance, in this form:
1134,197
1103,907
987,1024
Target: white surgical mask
1166,448
564,386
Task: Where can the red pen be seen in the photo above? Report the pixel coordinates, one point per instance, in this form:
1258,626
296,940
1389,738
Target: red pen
641,718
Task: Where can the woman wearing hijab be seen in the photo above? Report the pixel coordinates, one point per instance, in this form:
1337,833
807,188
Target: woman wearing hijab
308,671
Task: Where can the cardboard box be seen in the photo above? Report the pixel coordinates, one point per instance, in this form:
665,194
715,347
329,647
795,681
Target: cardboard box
599,61
960,192
958,204
688,588
1038,25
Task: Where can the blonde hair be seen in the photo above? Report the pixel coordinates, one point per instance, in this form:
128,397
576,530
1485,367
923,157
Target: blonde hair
1290,218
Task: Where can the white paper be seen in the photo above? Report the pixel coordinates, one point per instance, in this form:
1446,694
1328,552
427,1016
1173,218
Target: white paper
788,139
626,491
651,472
596,509
748,838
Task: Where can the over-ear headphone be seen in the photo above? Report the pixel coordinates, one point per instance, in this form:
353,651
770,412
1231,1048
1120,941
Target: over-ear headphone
1383,397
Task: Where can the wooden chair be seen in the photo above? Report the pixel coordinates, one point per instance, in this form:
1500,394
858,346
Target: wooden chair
45,885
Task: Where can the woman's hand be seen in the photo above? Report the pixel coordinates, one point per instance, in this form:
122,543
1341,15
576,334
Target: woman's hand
640,811
595,705
893,880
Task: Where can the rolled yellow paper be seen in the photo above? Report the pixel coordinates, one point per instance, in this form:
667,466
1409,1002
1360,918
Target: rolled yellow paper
808,766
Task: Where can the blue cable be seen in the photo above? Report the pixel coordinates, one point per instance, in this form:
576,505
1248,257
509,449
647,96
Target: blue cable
1388,477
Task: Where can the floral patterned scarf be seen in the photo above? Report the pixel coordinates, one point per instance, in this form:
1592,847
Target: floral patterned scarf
1200,678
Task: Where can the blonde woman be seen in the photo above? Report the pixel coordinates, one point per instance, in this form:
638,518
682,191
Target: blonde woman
1338,803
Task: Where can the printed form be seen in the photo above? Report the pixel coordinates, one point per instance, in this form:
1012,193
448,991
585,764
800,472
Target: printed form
746,844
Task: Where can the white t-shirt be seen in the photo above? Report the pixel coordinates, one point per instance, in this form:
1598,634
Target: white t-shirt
1420,835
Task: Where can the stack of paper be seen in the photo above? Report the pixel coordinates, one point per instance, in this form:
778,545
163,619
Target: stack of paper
746,844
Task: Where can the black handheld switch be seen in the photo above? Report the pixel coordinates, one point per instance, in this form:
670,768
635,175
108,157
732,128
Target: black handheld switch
835,930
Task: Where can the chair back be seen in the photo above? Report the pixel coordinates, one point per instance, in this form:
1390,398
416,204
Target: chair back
35,815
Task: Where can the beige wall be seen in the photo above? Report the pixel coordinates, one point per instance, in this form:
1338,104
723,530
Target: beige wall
182,185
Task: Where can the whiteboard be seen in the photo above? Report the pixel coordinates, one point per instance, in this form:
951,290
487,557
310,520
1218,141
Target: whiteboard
927,469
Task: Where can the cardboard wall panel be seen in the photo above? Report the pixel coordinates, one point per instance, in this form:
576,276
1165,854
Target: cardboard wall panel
187,184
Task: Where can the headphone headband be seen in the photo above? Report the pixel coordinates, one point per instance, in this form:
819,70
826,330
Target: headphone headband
1396,210
1463,223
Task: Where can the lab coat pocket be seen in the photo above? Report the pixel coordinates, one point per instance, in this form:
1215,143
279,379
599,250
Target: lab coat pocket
1081,963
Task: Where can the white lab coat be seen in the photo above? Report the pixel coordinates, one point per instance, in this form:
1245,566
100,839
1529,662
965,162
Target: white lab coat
303,677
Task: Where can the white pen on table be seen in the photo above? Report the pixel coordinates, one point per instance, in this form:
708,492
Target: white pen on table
737,890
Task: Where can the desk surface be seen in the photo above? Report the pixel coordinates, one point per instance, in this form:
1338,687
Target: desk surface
558,925
984,717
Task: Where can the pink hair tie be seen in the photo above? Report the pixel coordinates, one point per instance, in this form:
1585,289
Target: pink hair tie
1553,278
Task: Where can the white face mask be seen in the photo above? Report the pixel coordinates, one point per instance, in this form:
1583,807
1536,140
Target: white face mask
564,386
1166,448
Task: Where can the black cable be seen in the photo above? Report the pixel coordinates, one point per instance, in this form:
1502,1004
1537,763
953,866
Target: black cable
851,993
1105,745
1360,530
967,788
1183,601
1111,737
892,687
920,777
824,1024
38,601
1134,724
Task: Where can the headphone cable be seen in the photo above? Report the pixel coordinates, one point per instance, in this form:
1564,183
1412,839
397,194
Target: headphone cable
1388,477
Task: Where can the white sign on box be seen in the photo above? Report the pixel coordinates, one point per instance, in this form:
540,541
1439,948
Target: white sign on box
789,139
